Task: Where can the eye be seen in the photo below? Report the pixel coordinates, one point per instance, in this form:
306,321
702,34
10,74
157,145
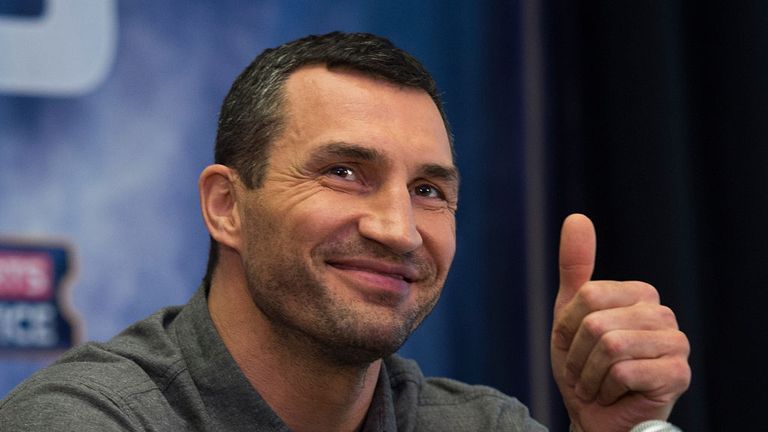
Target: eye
428,191
344,172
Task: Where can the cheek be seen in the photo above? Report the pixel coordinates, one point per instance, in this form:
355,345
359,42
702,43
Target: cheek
318,220
439,235
447,249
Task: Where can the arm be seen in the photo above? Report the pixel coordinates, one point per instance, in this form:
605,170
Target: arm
618,356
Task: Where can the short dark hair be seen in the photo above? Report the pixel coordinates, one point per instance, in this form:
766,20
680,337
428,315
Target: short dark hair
251,116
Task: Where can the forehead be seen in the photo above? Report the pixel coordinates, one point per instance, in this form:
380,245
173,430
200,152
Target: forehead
323,106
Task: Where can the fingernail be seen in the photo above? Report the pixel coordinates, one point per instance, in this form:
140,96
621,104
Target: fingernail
570,377
580,393
560,341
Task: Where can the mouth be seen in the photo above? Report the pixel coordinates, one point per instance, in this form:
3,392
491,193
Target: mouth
398,272
376,281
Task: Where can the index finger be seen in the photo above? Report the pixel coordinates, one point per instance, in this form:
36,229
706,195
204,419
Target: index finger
596,296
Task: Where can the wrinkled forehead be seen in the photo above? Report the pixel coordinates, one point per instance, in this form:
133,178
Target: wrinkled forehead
340,105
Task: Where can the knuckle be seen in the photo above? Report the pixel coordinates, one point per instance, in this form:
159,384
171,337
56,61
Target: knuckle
561,325
681,340
647,291
561,334
620,372
593,325
572,367
678,376
560,339
668,315
682,370
591,295
613,344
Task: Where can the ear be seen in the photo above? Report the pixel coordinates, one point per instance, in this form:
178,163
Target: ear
218,202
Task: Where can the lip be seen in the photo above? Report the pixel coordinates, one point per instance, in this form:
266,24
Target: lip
380,281
402,272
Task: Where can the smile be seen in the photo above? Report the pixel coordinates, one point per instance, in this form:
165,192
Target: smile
376,280
395,271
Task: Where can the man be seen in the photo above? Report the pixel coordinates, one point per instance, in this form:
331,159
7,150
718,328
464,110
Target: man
331,212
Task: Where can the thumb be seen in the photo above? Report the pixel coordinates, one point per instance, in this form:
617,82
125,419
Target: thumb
577,256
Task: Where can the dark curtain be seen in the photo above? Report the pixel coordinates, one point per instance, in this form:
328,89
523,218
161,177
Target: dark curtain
658,115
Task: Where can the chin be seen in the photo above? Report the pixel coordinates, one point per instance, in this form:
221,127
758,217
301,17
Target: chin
365,345
361,355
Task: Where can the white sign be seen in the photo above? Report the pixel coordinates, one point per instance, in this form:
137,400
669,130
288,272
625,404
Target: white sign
67,51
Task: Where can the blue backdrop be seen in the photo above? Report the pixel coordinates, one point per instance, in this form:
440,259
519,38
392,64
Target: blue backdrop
108,114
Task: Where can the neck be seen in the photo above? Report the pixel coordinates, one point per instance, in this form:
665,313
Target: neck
307,390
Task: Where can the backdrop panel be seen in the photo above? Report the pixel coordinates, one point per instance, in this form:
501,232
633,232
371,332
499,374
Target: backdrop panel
108,165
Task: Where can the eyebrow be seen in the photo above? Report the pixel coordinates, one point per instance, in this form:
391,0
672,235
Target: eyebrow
445,173
346,150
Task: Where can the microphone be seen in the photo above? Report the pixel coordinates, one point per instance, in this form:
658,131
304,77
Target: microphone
655,426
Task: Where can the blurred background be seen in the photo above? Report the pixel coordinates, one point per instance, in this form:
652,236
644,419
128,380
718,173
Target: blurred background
649,116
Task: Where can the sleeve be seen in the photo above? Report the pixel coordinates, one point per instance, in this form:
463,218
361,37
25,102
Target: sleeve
515,417
64,405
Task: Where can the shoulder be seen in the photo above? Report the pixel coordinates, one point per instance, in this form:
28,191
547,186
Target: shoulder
446,404
68,394
98,386
474,407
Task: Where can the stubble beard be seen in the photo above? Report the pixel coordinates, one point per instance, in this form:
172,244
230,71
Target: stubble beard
310,316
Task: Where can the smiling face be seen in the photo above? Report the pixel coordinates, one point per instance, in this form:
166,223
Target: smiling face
348,242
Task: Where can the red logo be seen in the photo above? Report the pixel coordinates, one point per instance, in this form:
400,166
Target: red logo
26,276
34,299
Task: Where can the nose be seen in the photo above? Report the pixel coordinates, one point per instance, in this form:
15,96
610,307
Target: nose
390,220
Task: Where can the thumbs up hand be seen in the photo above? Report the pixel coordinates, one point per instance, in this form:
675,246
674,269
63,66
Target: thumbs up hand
617,354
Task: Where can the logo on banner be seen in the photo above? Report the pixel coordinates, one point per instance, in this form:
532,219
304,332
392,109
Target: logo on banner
33,298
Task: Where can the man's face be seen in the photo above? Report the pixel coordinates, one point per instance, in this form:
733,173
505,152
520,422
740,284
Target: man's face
348,242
